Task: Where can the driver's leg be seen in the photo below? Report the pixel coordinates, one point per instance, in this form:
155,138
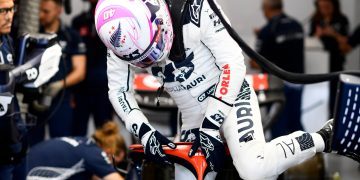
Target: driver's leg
252,156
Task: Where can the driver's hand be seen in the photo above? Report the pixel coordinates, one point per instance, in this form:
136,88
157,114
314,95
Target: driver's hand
209,139
152,141
212,147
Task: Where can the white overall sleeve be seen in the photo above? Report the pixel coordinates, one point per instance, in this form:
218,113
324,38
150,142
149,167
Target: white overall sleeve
121,93
229,59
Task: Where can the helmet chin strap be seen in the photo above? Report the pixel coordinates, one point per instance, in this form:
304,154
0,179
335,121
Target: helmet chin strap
269,66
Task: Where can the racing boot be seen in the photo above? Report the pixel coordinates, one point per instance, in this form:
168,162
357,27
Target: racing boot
326,132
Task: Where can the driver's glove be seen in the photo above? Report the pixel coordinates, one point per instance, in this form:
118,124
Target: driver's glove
209,139
152,142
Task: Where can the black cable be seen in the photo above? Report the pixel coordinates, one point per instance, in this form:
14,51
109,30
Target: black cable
59,101
272,68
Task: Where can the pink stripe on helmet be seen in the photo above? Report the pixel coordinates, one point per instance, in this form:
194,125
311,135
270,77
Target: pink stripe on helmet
119,12
151,35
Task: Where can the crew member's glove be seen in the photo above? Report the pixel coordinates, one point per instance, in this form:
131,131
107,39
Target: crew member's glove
54,88
209,139
152,141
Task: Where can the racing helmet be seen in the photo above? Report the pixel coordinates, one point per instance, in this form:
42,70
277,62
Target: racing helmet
137,31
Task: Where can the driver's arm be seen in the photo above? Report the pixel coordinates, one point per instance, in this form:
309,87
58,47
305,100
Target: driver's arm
228,57
121,93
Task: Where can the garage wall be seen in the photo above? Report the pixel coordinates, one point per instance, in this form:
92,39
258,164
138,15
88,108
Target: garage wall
78,6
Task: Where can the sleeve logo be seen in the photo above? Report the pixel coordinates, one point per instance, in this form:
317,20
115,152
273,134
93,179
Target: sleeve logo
195,12
225,80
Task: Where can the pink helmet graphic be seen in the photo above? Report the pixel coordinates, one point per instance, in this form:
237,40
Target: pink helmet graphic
139,32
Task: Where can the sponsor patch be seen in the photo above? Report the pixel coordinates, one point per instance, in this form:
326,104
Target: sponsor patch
189,86
305,141
245,123
195,12
225,80
134,129
207,93
218,118
183,73
124,104
244,92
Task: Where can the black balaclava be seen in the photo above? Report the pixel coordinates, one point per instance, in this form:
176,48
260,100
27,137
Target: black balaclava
176,8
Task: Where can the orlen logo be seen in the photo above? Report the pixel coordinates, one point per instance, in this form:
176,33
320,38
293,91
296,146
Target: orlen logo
225,79
109,13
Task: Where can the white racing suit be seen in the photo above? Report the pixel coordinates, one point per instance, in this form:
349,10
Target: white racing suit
214,66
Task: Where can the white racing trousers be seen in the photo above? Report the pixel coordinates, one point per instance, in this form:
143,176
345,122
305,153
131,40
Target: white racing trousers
252,157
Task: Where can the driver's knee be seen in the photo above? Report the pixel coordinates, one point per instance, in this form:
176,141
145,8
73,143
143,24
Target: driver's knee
254,171
252,163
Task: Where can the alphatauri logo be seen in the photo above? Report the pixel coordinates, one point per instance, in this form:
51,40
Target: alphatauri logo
195,12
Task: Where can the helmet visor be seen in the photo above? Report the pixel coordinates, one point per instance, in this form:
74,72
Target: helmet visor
154,52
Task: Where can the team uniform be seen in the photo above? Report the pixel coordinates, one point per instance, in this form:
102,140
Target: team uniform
209,82
71,158
6,56
13,146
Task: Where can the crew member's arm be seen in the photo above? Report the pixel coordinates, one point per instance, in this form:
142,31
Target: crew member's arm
112,176
98,163
229,59
77,74
78,61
